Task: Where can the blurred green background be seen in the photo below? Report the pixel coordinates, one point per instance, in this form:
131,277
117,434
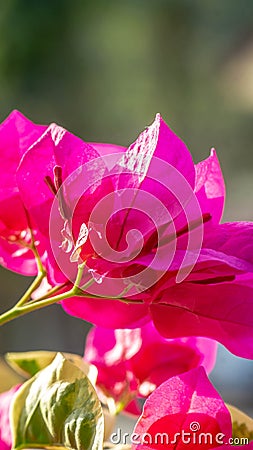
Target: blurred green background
103,69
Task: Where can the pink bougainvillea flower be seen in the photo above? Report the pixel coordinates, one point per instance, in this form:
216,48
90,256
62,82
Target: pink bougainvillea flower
5,430
245,447
17,134
136,361
53,158
183,412
145,219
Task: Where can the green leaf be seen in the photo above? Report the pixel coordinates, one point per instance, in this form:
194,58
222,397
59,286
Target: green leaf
57,407
242,424
28,364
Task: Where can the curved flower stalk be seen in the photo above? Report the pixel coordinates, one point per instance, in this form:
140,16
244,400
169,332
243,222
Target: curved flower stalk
56,407
5,431
17,232
134,362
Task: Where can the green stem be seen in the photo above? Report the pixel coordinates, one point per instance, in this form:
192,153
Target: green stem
22,307
47,302
18,311
35,284
119,407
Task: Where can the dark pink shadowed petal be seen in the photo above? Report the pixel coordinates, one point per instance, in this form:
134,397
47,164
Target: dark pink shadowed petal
17,134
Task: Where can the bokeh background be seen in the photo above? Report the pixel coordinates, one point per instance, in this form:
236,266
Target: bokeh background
103,69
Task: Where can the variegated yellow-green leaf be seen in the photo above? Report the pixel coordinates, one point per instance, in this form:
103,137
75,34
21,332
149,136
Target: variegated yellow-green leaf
8,378
242,424
57,407
28,364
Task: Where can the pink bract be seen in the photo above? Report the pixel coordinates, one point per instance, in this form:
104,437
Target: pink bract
204,290
186,403
5,431
134,362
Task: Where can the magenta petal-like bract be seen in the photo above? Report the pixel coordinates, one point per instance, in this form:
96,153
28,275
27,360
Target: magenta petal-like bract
139,360
186,403
56,147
